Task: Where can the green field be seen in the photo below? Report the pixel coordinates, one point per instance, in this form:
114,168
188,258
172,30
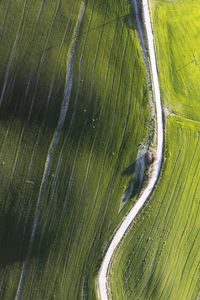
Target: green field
160,257
176,24
75,202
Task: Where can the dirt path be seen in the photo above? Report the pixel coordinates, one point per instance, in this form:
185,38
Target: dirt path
102,277
54,142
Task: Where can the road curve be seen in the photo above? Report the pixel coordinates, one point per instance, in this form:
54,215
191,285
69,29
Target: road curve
103,274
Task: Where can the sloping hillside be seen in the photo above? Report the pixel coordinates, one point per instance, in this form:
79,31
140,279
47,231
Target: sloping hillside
74,108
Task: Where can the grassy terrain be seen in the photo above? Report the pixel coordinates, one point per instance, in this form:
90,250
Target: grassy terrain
105,123
177,26
160,257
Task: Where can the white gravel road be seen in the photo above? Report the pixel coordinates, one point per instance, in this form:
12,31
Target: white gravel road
102,277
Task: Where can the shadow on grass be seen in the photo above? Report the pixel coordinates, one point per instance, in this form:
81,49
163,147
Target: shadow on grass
137,172
130,170
26,98
15,237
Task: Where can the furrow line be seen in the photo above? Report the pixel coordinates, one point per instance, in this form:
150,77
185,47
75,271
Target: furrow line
42,61
154,224
71,123
91,152
163,269
110,135
48,99
95,198
174,167
12,54
30,110
96,134
5,19
102,109
169,218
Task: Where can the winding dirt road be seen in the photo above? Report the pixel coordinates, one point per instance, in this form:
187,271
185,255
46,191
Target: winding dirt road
103,274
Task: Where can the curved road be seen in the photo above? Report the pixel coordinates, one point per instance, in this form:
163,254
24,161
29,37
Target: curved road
102,277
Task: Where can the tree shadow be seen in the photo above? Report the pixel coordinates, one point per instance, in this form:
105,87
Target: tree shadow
130,170
137,171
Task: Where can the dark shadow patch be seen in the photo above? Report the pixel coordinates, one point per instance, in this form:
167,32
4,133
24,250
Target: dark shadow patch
15,236
130,170
27,99
137,171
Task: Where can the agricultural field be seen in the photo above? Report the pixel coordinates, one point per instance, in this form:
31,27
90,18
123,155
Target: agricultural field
74,110
160,257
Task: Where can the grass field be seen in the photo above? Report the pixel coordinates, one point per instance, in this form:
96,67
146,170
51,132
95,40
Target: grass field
160,257
177,26
71,188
